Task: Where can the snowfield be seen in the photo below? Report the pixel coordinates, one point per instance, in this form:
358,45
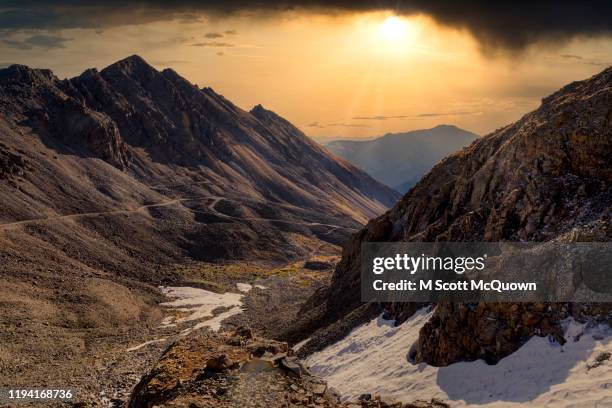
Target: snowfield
373,359
244,287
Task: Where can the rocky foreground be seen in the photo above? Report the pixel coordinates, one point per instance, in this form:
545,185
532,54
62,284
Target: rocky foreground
238,369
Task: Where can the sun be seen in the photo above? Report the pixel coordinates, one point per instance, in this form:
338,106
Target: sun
394,28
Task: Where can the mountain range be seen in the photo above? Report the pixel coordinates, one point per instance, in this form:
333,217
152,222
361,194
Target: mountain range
119,181
130,136
401,159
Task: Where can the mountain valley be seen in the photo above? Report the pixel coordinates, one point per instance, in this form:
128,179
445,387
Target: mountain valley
162,247
119,181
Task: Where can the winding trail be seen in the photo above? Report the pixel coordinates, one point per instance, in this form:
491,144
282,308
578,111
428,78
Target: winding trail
210,207
92,214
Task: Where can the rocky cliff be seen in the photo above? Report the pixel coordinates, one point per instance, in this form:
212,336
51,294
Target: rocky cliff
547,176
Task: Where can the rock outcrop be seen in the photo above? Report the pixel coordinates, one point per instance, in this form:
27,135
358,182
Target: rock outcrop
38,97
12,164
237,369
547,176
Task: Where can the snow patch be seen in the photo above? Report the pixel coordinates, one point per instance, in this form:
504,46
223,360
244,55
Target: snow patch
244,287
214,323
146,343
373,359
262,287
167,321
200,304
301,344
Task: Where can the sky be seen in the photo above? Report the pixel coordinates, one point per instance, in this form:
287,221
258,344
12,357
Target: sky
334,69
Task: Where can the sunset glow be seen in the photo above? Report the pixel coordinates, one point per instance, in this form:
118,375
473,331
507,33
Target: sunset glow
334,75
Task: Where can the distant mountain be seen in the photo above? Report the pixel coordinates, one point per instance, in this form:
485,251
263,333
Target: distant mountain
401,159
325,140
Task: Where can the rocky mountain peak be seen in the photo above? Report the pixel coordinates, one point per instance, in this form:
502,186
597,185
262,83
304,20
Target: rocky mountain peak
89,72
140,119
22,74
277,122
545,177
260,112
598,83
132,65
267,115
446,127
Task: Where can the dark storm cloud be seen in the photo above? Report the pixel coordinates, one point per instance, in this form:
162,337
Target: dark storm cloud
37,41
496,24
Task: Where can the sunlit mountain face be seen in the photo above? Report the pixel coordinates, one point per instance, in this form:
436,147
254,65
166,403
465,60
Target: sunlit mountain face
336,71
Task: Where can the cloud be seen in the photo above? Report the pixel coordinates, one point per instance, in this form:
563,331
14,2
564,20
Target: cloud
230,32
598,63
495,24
167,63
584,61
319,125
220,53
19,45
352,125
190,18
213,35
434,114
420,115
212,44
315,125
379,117
571,56
38,41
